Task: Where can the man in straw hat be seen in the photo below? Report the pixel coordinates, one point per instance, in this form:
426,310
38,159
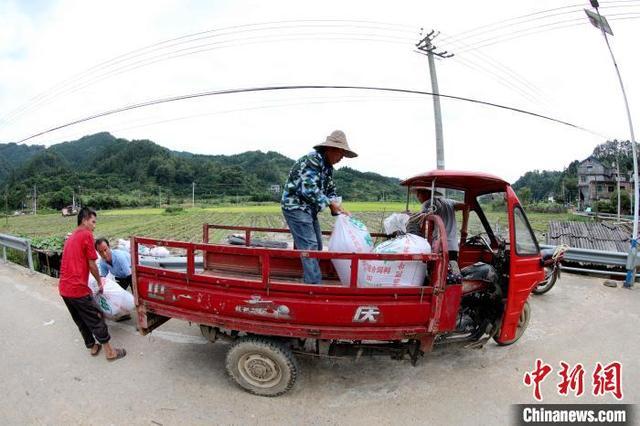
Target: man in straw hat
309,189
446,209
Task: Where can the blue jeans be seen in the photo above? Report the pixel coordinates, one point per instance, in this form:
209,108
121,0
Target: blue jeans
305,228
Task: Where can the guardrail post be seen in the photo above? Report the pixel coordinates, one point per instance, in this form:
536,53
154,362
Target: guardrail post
16,243
30,256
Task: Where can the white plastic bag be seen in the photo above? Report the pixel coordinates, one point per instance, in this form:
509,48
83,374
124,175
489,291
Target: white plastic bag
159,252
397,222
124,245
351,236
114,301
383,273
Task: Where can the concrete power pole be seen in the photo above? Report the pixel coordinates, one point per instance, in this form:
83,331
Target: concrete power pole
618,185
193,194
35,200
426,47
6,205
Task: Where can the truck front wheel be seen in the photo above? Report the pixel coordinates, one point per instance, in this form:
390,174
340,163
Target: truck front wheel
523,322
262,366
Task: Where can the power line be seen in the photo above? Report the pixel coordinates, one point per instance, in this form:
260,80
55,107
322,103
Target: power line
544,28
76,80
511,79
506,23
189,38
507,83
328,100
296,87
206,48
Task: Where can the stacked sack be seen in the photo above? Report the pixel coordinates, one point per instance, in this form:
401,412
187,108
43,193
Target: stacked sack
350,235
385,273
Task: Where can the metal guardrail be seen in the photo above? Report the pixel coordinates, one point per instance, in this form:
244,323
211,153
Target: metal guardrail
612,216
22,244
596,257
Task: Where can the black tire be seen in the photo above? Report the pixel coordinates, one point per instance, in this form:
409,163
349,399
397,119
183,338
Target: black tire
550,278
262,366
525,316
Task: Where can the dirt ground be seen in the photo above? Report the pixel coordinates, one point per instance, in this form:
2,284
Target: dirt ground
174,376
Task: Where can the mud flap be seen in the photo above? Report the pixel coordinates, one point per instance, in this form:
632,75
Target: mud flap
148,321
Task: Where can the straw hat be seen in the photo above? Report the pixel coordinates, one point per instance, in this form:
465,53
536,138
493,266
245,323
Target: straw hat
337,139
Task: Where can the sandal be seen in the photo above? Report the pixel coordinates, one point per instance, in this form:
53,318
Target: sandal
97,351
120,353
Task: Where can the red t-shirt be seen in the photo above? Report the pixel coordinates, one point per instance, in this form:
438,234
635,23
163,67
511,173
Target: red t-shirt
74,271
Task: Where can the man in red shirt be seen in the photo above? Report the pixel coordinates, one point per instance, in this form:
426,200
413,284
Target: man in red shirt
78,259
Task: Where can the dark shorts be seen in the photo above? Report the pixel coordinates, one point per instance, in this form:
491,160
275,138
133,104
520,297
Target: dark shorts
89,319
124,282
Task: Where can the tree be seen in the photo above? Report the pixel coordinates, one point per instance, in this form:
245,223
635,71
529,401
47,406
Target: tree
625,201
165,173
524,195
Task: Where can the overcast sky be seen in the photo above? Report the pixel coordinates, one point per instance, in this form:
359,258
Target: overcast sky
65,60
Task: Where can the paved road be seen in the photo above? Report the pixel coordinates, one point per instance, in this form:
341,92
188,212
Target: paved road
174,377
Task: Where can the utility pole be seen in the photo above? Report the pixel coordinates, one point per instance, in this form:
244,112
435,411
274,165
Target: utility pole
426,47
193,194
35,200
6,204
618,186
600,22
159,198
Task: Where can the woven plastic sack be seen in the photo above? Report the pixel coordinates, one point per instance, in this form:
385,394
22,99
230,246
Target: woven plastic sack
383,273
351,236
159,252
397,222
114,301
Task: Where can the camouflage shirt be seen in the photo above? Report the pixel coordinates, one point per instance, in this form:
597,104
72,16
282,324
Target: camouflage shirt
310,184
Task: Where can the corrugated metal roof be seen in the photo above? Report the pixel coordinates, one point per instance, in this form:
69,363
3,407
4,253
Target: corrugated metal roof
594,236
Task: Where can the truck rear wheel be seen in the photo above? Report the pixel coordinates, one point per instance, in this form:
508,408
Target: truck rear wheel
262,366
523,322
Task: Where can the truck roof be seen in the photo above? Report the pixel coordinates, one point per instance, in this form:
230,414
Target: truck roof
464,180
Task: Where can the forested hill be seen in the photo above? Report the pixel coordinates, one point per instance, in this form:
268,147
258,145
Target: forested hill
538,185
105,172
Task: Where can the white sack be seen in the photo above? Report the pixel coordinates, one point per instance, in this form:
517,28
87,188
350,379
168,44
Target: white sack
397,222
124,245
351,236
114,301
383,273
159,252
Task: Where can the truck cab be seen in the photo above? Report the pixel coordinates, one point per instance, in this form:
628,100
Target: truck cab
496,244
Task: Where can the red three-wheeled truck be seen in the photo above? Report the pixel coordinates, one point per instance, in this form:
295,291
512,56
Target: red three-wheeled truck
255,297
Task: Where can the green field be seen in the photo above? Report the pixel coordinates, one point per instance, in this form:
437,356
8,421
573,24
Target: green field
187,225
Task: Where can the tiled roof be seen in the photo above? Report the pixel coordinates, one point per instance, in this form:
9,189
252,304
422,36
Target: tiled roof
594,236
